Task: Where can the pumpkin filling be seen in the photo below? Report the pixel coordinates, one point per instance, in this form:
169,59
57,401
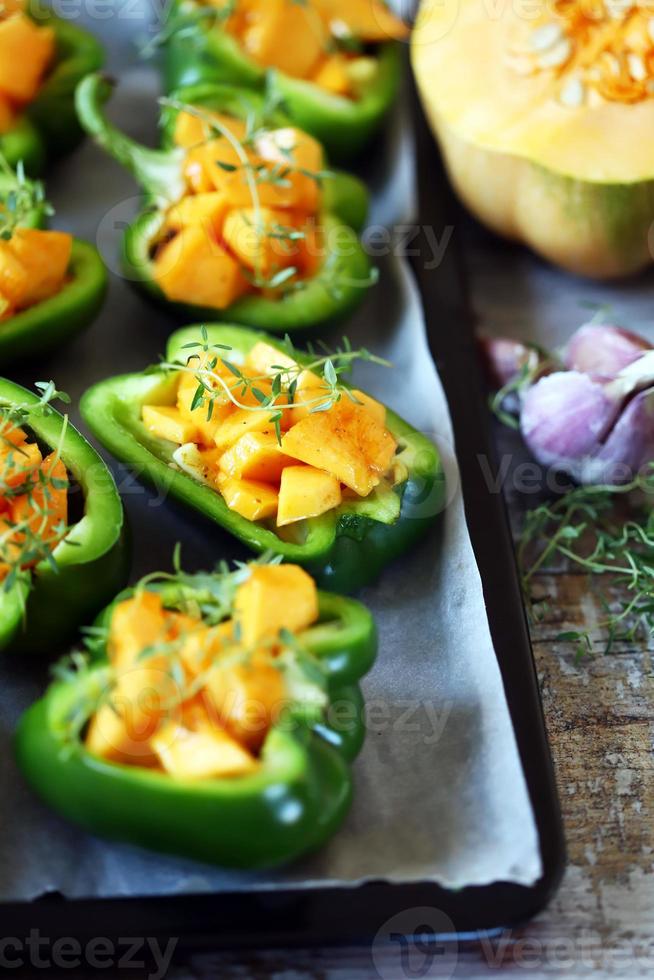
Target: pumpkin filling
249,219
33,266
280,442
595,50
327,42
33,501
26,53
194,690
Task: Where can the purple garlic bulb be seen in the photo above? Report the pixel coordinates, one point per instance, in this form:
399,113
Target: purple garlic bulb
596,420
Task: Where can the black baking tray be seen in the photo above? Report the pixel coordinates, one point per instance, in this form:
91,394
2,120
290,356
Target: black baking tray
354,915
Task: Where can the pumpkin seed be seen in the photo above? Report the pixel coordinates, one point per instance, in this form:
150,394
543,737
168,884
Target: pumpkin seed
544,37
636,67
557,56
573,93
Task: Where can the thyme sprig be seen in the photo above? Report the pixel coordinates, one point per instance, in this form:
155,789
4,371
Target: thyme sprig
602,530
219,378
18,198
182,24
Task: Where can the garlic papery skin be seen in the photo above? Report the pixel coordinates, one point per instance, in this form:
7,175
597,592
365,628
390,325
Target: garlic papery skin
564,419
634,377
603,350
503,359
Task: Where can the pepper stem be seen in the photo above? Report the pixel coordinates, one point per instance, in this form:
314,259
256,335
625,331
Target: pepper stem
159,172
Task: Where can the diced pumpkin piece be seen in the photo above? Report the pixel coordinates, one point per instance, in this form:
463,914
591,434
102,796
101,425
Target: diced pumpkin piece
306,492
273,598
10,7
123,728
239,423
45,509
10,433
251,499
26,50
219,166
367,20
18,464
186,391
256,456
345,441
189,130
284,34
264,359
193,268
301,157
262,239
169,423
331,74
246,698
13,276
197,748
371,405
207,210
311,392
136,624
45,256
202,645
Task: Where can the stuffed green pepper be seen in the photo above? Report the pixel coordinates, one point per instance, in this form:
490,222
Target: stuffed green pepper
216,717
275,447
241,222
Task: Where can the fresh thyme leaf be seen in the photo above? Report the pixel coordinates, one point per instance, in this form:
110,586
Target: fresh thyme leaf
602,530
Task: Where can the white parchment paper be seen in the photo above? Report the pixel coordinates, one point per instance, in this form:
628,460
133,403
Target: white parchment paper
439,789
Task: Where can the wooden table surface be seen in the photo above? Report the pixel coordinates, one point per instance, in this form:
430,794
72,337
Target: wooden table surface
600,714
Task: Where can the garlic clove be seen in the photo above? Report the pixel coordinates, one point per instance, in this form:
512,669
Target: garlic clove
603,350
565,416
502,359
628,447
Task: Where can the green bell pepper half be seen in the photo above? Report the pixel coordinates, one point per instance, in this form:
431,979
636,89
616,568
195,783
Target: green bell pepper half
331,295
197,50
291,805
42,610
48,128
343,549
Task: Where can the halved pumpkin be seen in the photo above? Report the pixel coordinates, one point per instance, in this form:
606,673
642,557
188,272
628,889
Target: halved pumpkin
545,123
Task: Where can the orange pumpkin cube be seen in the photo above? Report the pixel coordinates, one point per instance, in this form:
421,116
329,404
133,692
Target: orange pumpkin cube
284,34
190,130
26,51
45,256
194,268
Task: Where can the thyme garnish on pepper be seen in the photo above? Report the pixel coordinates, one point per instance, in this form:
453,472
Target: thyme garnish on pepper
214,387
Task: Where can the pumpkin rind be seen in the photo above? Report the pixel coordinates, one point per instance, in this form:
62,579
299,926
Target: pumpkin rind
575,183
